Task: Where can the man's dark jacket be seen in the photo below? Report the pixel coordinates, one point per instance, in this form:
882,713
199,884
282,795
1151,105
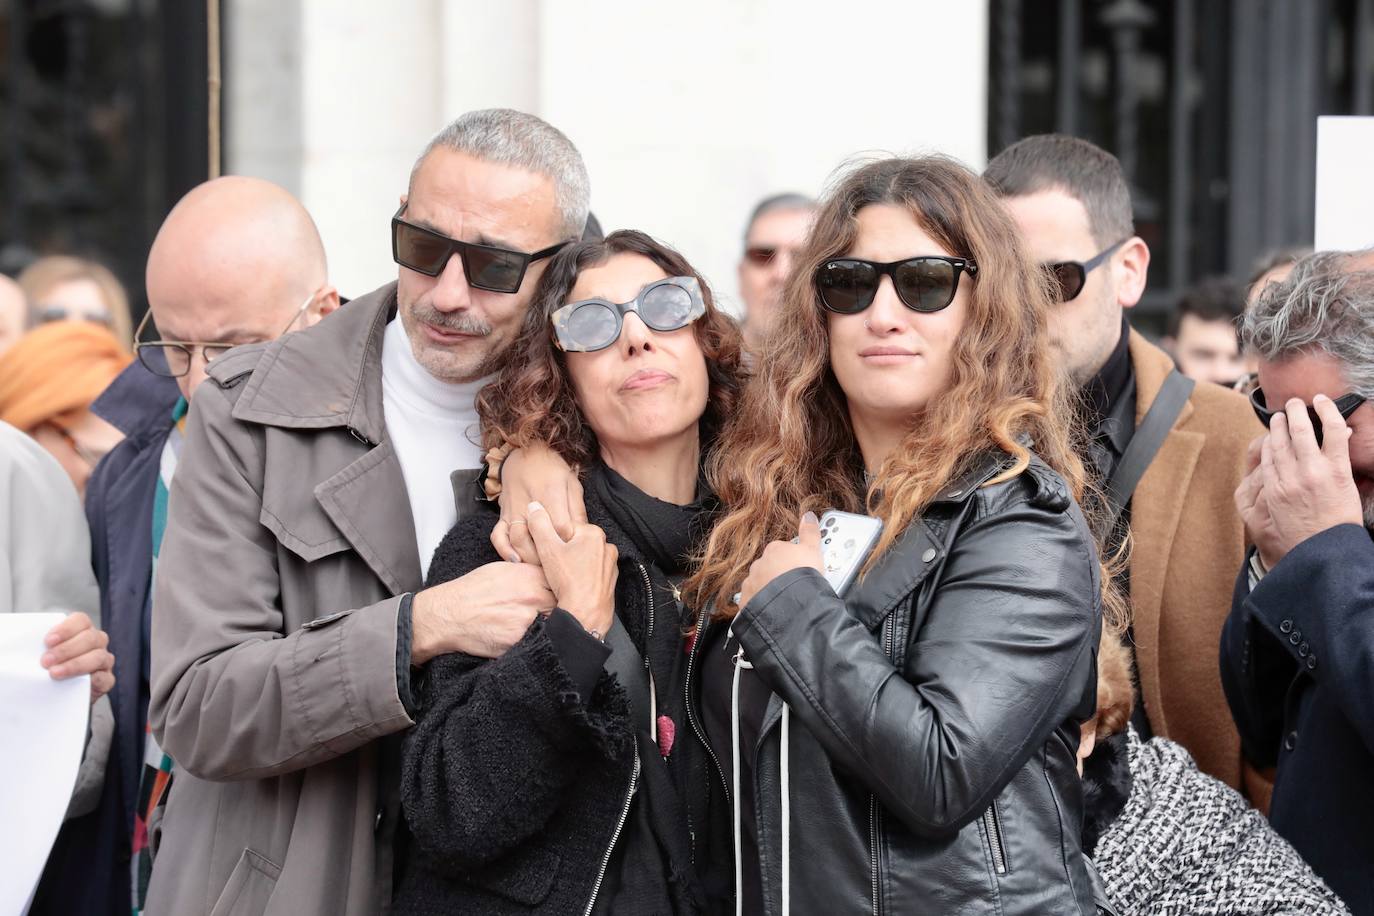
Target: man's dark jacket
1297,661
88,870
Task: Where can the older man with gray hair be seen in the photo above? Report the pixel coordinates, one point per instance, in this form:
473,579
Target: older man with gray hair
1298,648
321,470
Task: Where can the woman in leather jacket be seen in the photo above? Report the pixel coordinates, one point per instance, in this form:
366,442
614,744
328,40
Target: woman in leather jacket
548,779
908,747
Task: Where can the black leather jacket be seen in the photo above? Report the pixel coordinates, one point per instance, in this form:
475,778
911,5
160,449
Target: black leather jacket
932,715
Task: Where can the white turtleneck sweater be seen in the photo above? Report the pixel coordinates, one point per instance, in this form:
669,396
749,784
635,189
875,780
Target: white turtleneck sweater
434,429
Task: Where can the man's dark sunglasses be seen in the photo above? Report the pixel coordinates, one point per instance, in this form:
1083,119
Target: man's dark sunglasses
1070,276
1346,404
924,284
498,270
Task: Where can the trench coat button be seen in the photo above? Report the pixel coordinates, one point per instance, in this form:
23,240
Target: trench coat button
1291,741
1311,662
928,555
954,494
1286,626
1303,650
1294,638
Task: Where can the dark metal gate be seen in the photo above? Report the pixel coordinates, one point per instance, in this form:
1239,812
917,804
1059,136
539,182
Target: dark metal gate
1211,105
103,114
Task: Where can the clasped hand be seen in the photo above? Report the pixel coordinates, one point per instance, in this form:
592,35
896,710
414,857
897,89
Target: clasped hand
1295,488
488,610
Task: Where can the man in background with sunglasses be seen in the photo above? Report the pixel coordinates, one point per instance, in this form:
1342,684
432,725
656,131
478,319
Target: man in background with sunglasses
237,261
1298,651
289,611
1167,453
776,231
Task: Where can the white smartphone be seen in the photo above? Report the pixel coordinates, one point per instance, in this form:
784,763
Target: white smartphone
846,541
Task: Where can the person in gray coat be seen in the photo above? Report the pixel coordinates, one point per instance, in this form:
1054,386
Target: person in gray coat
45,565
317,476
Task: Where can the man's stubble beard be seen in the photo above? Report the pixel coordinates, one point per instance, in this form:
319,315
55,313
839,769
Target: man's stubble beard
438,361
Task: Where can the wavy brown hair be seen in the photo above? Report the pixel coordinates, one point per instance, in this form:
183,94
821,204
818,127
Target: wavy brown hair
531,400
790,446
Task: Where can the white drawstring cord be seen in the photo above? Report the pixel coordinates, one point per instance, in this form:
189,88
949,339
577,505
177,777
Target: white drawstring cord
735,766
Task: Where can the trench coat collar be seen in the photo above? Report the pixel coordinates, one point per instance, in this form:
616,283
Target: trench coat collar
328,375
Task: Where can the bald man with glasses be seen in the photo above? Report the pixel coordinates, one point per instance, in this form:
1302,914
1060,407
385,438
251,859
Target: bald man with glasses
237,261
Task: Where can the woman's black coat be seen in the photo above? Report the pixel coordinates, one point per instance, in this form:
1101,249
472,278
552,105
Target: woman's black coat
515,776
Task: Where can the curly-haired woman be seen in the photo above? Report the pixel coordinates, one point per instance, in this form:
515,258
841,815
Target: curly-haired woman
908,747
549,779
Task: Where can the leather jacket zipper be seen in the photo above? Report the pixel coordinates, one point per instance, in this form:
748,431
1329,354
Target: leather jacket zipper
873,840
993,824
874,813
615,837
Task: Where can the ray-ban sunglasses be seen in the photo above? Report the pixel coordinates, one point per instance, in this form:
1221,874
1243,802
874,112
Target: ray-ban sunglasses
594,324
924,284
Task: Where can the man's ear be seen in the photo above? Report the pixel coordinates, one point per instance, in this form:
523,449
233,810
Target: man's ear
326,302
1132,265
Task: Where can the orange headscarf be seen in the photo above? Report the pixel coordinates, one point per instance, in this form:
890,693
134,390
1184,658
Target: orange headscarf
57,368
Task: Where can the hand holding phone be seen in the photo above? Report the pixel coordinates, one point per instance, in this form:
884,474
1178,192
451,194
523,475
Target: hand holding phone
846,541
835,546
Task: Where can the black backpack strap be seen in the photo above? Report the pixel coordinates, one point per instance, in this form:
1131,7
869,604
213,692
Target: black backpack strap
1145,443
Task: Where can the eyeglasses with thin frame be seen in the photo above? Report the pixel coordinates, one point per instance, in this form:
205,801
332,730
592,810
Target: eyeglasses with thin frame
925,283
1346,405
497,270
594,324
178,354
1071,276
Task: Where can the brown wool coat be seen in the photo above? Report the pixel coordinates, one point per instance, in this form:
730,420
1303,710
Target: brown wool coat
1188,544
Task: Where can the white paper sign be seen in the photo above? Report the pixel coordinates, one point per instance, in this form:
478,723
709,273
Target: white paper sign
43,733
1345,184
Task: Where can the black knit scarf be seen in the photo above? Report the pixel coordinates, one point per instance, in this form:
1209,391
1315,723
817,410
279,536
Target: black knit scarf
666,532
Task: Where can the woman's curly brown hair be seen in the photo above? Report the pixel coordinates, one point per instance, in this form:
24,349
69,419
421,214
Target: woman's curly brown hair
531,400
790,446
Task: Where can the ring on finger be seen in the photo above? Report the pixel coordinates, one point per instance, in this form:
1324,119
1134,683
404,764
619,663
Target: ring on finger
517,521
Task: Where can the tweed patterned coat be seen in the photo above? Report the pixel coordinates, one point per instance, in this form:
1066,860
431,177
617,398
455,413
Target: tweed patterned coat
1187,845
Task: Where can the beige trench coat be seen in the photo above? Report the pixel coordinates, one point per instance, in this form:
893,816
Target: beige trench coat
274,645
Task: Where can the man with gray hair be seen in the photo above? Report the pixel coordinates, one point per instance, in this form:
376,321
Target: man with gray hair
321,470
1298,648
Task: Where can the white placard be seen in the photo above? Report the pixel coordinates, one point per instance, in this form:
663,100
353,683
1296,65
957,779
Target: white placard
43,732
1345,184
